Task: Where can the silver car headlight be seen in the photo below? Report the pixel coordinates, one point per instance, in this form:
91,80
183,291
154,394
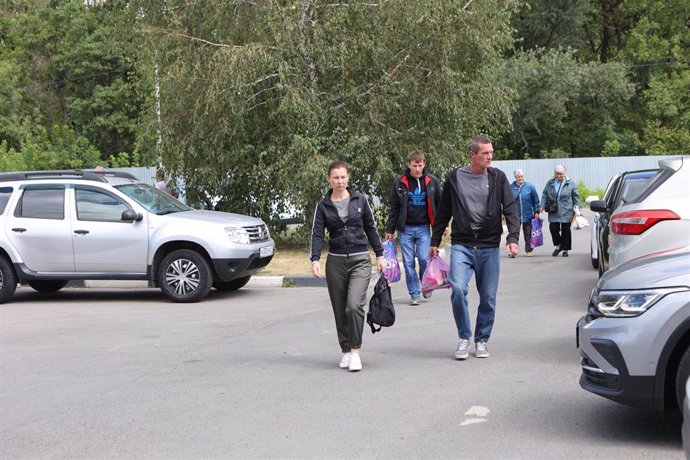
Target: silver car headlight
622,304
237,235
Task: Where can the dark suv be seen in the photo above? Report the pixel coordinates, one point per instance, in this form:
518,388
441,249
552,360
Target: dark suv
621,189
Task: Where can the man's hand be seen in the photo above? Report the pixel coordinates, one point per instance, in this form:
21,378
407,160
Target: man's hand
433,251
380,264
316,269
512,249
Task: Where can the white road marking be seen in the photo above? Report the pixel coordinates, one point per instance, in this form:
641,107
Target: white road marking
479,411
472,421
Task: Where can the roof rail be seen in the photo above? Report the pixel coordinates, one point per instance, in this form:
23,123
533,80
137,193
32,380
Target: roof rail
64,174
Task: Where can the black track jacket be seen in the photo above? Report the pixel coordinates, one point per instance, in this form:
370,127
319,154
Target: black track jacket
501,202
349,237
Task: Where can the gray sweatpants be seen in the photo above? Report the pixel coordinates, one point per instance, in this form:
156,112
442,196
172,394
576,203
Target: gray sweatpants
348,281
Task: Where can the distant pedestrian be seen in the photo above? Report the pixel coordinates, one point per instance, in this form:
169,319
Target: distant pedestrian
527,200
161,184
346,214
411,210
476,197
560,199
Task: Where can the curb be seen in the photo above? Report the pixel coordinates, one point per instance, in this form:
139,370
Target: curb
255,281
303,281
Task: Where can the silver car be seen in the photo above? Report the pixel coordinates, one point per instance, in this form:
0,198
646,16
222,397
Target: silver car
57,226
658,219
634,340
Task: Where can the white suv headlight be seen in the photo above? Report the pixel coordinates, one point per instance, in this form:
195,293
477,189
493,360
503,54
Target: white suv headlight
621,304
237,235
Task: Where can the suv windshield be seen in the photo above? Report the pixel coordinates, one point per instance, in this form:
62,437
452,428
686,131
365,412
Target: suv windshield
153,199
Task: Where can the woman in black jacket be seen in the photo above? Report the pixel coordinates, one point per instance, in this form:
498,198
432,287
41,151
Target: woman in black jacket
351,229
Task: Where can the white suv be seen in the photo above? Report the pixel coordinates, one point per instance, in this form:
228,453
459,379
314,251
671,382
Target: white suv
658,219
57,226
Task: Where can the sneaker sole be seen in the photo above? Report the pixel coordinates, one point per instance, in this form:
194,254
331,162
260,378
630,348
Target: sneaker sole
462,357
481,355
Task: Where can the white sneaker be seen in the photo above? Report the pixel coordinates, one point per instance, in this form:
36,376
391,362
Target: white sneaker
345,362
480,350
355,363
463,350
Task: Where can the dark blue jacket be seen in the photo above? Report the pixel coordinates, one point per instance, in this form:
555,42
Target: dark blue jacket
527,200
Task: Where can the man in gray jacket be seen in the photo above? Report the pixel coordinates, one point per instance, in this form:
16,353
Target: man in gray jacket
476,197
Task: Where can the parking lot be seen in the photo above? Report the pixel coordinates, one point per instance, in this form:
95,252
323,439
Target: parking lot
120,373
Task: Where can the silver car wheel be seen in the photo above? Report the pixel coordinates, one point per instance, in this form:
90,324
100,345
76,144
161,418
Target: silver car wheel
182,276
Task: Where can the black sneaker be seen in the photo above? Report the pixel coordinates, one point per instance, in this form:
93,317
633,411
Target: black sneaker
555,252
565,254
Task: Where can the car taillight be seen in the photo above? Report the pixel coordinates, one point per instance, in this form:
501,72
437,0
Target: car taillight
638,222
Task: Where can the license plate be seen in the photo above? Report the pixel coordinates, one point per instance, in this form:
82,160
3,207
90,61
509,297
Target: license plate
265,252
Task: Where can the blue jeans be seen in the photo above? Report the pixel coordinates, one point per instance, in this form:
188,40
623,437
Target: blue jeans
484,263
414,241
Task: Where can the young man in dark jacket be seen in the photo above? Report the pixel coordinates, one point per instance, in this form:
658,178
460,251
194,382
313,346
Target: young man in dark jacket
476,196
412,209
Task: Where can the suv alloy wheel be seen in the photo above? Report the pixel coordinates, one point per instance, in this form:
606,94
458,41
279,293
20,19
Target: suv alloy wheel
185,276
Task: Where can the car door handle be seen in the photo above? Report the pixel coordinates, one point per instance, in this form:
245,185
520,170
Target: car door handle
81,232
19,230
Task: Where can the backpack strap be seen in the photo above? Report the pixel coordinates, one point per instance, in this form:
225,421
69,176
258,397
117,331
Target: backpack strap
371,324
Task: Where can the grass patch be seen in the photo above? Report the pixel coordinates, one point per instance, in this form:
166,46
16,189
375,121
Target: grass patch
291,261
288,262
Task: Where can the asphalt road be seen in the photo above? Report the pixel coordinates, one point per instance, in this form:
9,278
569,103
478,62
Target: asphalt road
122,373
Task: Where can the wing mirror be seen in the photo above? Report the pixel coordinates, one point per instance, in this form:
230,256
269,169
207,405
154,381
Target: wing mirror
129,215
598,206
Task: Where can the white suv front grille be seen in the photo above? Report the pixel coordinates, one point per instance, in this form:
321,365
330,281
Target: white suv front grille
257,233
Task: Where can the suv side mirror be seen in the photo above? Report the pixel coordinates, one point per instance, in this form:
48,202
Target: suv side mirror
129,215
598,206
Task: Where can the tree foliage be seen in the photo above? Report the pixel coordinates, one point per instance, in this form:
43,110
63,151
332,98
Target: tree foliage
636,55
275,91
68,67
257,98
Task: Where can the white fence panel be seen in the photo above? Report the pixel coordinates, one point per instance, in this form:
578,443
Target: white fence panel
594,172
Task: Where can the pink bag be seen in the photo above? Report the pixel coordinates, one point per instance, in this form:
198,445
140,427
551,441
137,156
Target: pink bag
390,255
436,275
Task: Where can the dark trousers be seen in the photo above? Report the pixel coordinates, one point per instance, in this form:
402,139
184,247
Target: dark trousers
348,280
560,234
527,234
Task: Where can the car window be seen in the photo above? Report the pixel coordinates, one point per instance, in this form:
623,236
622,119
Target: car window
42,202
5,194
612,191
661,176
153,199
632,188
95,205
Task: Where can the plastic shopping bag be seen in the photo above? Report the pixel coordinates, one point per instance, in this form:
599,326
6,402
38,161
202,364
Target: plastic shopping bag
580,222
436,275
392,271
537,238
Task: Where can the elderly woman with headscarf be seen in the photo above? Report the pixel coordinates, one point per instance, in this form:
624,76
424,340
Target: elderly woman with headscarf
561,201
528,205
